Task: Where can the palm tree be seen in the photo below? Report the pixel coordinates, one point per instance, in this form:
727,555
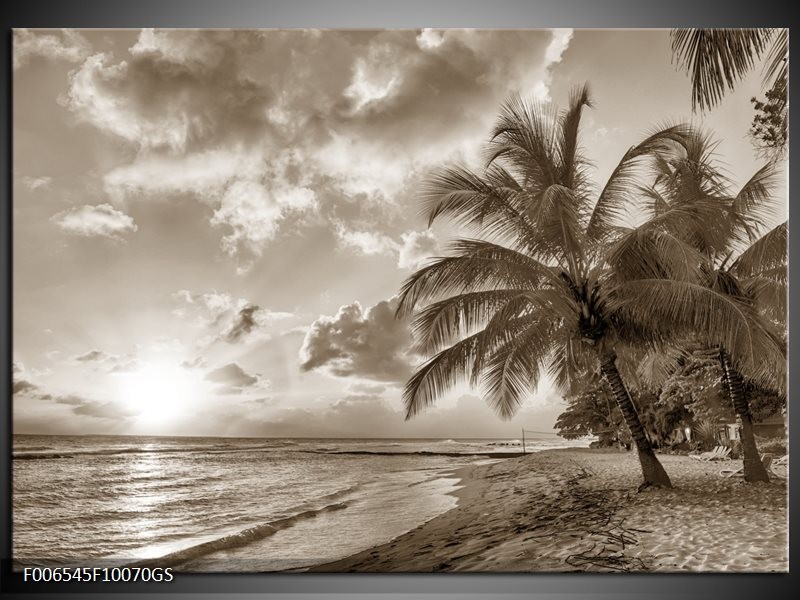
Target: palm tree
544,285
736,262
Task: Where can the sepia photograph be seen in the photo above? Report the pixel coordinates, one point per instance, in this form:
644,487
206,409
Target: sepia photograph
400,300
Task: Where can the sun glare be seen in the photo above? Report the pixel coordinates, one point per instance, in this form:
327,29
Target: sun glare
159,393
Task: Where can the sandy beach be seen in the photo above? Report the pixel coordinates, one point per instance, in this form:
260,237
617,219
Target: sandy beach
578,510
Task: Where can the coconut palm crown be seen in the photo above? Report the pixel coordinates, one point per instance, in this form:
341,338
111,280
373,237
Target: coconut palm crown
550,282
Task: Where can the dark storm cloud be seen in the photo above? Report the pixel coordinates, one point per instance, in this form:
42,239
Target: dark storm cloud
232,379
369,344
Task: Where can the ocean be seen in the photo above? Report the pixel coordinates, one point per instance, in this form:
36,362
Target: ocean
225,504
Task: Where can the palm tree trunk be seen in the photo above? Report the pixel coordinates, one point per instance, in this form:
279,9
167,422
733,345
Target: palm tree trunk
652,471
733,384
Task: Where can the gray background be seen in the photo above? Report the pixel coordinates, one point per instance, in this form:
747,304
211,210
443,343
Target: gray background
377,14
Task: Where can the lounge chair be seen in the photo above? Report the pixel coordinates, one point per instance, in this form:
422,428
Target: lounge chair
718,453
783,467
766,460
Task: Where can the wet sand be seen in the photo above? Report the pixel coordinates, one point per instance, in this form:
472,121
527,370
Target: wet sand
578,510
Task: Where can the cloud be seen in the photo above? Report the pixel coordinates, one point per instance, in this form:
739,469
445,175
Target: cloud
198,362
552,56
176,91
67,45
232,379
93,356
102,220
22,386
126,365
211,114
364,387
234,320
35,183
417,248
429,39
369,344
365,242
244,322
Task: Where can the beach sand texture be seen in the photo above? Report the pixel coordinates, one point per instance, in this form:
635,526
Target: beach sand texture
578,510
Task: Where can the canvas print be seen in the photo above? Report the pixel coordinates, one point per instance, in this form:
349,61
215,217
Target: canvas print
432,300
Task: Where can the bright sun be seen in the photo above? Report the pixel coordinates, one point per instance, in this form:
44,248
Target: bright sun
159,393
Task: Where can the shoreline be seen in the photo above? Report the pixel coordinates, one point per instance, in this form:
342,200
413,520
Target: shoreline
577,509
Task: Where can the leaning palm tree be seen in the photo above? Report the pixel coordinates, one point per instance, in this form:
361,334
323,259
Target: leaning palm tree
543,286
737,262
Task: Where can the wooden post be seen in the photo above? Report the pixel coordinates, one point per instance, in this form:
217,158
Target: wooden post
523,441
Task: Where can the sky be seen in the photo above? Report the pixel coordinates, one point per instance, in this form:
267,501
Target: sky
211,227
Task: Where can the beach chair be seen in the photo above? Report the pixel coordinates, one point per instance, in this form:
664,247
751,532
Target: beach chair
706,455
782,465
718,453
766,460
722,454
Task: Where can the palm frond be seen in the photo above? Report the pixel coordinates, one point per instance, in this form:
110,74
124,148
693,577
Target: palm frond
439,374
442,322
666,309
755,202
476,266
511,373
492,204
619,190
646,252
769,296
716,59
571,365
455,365
569,157
526,137
767,253
776,68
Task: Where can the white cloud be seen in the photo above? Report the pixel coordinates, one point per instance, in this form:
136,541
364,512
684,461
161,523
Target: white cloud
36,183
371,82
552,56
185,47
417,247
365,242
368,344
252,194
67,45
251,212
203,174
91,96
430,38
232,320
102,220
